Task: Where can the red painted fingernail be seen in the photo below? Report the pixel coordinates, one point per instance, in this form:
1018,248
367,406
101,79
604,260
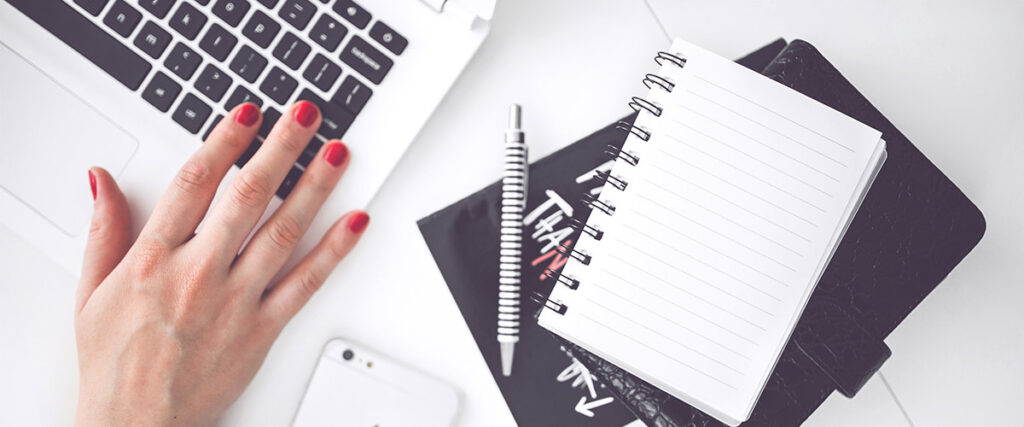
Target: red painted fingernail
358,222
336,154
247,115
306,113
92,183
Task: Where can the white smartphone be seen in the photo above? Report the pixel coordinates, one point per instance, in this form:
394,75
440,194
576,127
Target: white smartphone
355,386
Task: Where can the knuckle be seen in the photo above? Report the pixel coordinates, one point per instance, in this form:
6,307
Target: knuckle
292,140
309,283
192,176
338,248
285,232
148,255
250,189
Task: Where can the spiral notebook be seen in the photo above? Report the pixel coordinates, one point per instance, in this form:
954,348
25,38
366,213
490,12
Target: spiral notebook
713,227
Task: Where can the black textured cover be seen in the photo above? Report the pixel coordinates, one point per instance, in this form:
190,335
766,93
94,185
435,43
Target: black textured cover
913,227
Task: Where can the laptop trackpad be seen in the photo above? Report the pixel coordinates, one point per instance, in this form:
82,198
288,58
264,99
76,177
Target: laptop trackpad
50,139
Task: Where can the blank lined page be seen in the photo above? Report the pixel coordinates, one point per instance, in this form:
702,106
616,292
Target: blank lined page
739,198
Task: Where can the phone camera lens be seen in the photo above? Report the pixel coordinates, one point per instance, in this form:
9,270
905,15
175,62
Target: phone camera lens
347,355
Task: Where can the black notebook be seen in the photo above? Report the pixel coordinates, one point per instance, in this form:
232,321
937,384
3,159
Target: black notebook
547,387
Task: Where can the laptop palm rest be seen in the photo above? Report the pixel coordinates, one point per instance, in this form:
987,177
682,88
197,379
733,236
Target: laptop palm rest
50,139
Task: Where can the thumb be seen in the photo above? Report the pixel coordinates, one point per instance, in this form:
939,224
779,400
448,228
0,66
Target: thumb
109,234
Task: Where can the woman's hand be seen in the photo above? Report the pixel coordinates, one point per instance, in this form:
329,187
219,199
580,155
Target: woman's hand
171,328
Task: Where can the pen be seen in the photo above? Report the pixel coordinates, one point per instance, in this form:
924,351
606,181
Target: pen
513,203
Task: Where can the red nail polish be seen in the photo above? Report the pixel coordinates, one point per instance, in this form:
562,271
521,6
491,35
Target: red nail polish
92,183
336,153
247,115
306,113
358,222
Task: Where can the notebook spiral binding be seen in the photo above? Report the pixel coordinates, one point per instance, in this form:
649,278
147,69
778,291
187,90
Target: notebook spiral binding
637,104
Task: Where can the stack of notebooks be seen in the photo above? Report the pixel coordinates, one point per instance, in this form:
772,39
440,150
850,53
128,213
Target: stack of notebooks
695,283
714,226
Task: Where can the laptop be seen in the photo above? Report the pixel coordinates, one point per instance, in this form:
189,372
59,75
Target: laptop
134,86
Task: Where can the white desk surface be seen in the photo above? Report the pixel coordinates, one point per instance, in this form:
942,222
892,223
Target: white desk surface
947,75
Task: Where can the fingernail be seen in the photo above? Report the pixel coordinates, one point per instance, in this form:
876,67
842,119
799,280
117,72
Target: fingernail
306,113
247,115
92,184
336,154
358,222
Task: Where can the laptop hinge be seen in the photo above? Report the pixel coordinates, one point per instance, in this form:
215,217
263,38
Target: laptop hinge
436,5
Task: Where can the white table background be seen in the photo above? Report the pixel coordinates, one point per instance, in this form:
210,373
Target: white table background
948,75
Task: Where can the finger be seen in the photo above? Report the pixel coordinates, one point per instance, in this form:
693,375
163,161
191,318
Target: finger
109,235
282,302
187,199
235,215
275,241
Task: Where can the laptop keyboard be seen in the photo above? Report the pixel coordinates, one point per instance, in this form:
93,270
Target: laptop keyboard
184,58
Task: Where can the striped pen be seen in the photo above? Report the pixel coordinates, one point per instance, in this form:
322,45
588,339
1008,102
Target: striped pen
513,204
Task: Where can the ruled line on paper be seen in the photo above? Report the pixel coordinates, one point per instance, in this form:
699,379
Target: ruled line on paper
755,232
716,195
812,205
698,315
670,320
713,267
744,153
663,354
741,244
740,170
773,112
759,142
710,285
812,149
667,338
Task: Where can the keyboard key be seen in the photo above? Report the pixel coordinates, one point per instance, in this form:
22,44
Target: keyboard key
366,59
297,12
183,61
218,42
327,32
261,29
322,73
94,7
94,43
188,21
152,39
270,118
291,51
354,13
278,85
213,124
162,91
248,64
213,83
231,11
122,18
270,4
289,182
240,96
309,153
254,146
335,119
352,95
388,38
157,7
192,113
